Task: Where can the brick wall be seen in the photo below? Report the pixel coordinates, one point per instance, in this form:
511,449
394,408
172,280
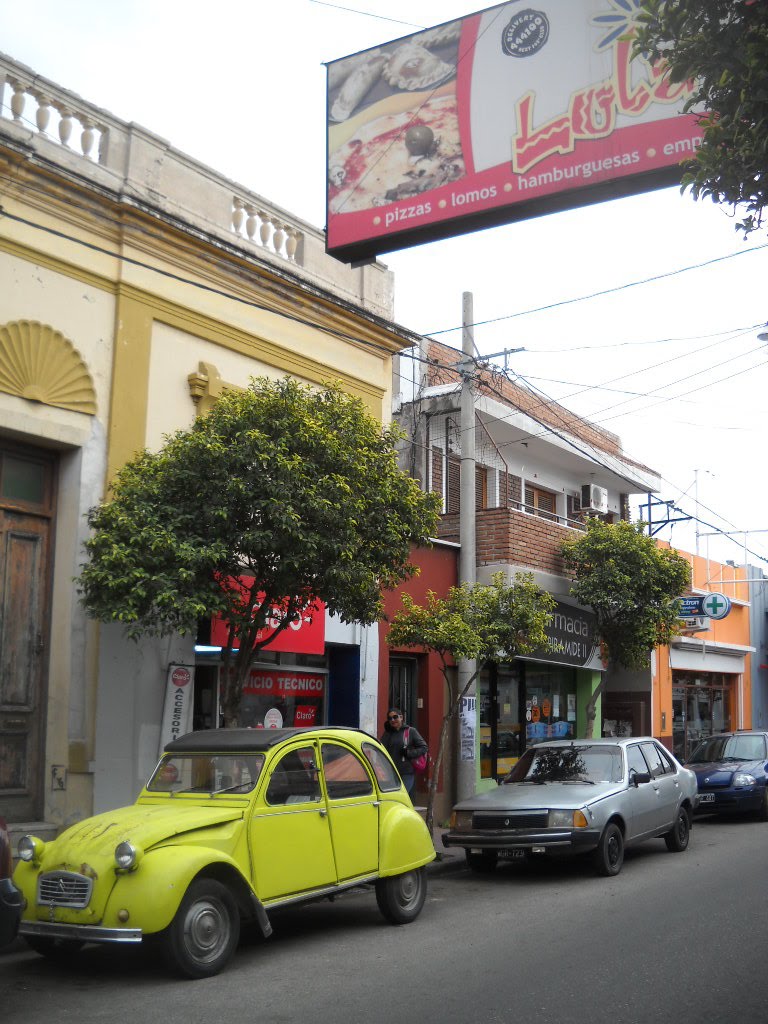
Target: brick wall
508,536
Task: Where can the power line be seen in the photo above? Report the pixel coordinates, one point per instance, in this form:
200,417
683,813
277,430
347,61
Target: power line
549,403
637,344
603,291
367,14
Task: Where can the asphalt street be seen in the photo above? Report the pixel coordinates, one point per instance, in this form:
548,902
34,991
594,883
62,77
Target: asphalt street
674,938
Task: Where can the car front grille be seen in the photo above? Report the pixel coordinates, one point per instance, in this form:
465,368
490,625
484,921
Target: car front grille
64,889
502,820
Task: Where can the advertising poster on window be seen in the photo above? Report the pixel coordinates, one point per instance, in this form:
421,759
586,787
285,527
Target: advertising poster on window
177,709
273,698
510,112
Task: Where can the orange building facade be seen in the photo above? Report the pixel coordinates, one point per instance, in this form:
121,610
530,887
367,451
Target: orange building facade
701,683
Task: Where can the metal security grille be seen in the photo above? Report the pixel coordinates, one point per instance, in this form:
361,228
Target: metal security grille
535,819
64,889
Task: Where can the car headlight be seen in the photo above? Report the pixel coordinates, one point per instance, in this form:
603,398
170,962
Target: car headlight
127,856
30,849
567,819
742,779
461,821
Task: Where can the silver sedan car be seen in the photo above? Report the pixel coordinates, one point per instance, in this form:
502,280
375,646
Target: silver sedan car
597,796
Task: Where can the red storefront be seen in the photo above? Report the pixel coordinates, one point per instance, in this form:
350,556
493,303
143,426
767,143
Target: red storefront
410,677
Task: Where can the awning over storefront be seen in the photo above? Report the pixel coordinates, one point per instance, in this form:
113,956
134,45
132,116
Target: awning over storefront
708,657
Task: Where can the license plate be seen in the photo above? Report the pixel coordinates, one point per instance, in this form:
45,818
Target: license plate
511,854
706,798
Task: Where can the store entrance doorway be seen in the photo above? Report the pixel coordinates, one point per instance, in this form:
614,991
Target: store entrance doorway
701,706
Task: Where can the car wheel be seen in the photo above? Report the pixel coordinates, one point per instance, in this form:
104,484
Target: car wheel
54,949
763,810
204,933
484,861
678,836
609,855
401,897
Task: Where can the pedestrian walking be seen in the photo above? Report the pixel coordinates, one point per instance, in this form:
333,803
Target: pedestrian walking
404,744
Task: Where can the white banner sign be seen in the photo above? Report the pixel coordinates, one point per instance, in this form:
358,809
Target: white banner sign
467,719
177,711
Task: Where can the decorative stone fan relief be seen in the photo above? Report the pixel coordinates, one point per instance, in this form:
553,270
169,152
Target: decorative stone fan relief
41,365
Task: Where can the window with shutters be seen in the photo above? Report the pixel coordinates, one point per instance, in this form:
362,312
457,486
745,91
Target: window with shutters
453,490
481,487
510,490
541,503
573,510
437,470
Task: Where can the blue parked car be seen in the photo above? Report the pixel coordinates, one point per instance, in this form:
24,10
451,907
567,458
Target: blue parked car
731,769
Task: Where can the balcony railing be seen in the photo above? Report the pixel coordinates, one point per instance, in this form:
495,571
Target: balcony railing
141,167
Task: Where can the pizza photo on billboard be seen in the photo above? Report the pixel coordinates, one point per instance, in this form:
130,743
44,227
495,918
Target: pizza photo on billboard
397,156
393,130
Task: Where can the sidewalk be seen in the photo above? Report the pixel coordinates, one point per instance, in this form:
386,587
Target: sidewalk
450,859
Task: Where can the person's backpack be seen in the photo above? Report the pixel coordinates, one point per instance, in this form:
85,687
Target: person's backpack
420,763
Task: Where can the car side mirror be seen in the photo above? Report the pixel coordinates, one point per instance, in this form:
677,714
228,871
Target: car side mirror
640,777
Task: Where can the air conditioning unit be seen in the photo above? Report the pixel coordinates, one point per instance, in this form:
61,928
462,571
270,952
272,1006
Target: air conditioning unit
594,498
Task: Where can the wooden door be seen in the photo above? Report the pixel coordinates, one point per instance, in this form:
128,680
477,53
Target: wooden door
26,509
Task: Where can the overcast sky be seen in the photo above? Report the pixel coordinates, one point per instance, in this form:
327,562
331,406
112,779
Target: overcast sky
672,365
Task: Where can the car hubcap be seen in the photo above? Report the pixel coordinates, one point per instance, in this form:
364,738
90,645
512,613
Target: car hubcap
409,889
206,930
613,851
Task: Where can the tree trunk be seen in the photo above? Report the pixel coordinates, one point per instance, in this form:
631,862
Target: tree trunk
591,709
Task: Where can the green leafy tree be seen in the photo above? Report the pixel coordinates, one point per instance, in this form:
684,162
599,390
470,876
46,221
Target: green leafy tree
480,622
723,46
282,495
632,585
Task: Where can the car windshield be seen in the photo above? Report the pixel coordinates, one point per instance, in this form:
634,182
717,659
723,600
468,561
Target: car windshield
206,773
584,763
729,748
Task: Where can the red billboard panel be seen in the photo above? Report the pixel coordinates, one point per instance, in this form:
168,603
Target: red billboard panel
305,635
507,113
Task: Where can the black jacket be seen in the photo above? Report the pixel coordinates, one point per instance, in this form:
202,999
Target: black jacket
394,741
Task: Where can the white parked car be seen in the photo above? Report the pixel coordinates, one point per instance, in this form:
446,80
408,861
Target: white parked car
574,796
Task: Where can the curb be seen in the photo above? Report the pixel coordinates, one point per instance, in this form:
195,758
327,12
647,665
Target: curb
445,862
446,858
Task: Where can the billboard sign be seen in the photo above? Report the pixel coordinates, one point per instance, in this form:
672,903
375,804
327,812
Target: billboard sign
507,113
303,635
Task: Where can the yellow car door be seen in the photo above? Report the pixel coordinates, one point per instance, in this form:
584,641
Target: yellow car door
353,810
290,835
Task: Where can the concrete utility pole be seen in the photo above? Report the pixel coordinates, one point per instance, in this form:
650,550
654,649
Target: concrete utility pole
466,773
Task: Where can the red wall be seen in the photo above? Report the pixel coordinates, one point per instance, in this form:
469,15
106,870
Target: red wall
438,572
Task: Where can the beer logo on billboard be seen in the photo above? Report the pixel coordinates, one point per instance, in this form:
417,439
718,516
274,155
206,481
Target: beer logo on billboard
526,33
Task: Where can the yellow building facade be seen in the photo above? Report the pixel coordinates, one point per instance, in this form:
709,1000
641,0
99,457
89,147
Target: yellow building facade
135,284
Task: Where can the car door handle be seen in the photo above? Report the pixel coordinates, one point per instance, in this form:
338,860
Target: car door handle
322,812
